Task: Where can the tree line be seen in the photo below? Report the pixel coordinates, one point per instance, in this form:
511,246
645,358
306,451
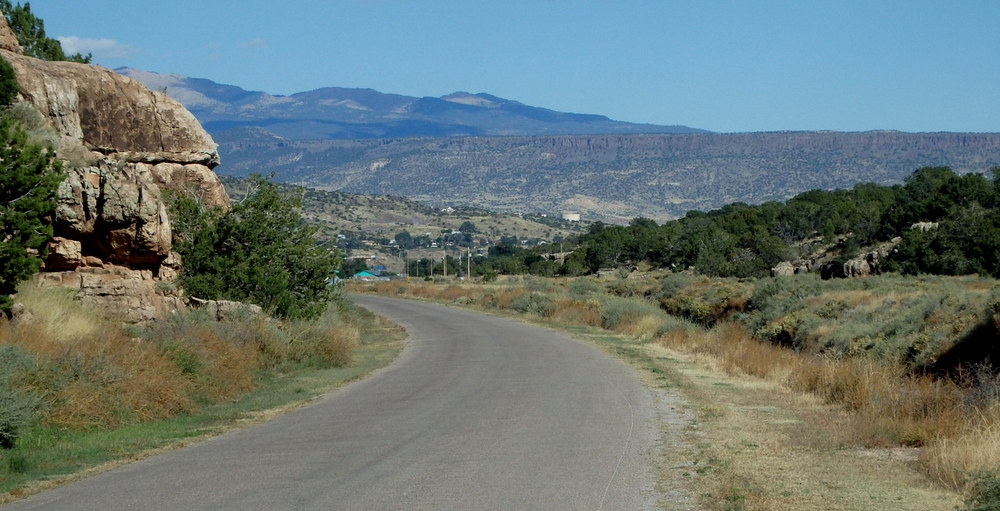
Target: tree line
960,215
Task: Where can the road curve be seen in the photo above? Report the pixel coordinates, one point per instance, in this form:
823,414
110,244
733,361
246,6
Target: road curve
478,412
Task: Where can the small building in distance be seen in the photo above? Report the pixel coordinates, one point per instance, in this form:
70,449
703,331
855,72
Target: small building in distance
571,216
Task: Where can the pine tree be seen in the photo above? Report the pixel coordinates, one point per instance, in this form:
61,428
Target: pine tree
30,32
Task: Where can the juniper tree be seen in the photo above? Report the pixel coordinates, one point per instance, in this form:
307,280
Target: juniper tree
260,251
29,176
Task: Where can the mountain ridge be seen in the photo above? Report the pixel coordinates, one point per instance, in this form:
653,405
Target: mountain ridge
344,113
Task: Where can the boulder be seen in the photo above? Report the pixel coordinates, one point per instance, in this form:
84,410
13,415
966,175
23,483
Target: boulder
63,253
134,296
222,310
858,267
783,269
191,178
112,114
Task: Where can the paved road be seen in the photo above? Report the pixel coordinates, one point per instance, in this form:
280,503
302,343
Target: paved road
478,412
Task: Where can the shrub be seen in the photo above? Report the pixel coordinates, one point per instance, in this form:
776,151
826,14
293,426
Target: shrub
259,251
17,406
584,286
327,341
985,494
534,303
619,311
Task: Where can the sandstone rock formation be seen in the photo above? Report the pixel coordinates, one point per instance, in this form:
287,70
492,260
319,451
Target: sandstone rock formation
823,261
122,144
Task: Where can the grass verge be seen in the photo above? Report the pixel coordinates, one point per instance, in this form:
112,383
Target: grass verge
46,456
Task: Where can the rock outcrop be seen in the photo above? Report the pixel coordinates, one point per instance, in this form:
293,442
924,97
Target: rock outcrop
122,144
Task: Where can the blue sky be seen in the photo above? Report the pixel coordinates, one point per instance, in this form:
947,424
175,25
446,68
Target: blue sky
728,66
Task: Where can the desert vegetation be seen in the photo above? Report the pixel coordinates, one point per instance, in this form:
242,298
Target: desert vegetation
906,358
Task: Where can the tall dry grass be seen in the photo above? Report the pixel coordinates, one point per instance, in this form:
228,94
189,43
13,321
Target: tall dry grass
890,406
95,373
89,371
975,448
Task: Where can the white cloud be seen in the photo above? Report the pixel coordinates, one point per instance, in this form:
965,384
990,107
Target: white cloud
100,48
254,44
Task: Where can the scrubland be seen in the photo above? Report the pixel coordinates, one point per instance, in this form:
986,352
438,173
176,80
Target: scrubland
895,368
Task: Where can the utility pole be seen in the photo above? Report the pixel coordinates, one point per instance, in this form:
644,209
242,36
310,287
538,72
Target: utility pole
470,265
444,263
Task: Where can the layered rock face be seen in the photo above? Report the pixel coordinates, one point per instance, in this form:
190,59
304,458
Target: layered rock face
122,145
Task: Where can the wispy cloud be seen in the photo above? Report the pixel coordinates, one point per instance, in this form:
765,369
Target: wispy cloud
100,48
254,44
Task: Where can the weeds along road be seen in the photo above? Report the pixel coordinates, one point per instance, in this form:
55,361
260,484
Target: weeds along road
478,412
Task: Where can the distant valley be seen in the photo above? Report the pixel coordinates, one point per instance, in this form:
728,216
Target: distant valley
545,161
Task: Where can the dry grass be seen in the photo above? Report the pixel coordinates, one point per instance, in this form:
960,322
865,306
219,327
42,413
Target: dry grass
889,407
94,373
758,445
643,326
91,373
974,448
578,312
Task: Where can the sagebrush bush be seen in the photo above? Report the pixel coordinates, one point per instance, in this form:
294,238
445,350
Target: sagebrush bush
533,303
584,286
17,406
890,318
618,312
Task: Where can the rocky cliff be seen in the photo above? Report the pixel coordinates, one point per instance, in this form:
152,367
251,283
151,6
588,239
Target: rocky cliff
122,145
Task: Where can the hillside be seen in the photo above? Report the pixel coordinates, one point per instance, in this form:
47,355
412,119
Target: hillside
344,113
605,177
381,217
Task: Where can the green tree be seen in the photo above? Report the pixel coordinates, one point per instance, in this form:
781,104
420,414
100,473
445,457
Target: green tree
351,267
29,176
405,240
30,32
259,251
8,84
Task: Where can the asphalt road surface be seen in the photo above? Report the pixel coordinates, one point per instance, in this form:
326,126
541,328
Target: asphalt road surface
478,412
